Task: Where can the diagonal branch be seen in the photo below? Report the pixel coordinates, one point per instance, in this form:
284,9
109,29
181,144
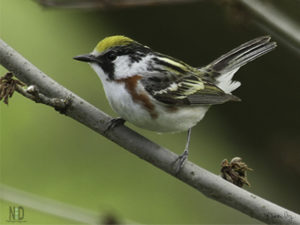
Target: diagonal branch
289,29
8,86
57,208
209,184
106,4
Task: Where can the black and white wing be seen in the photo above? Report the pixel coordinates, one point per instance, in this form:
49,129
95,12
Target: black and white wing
187,89
181,84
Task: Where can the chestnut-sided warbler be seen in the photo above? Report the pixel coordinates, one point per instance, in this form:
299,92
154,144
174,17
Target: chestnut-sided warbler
163,94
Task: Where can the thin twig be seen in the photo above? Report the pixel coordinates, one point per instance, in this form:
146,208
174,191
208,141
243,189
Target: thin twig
275,17
209,184
8,85
54,207
106,4
32,93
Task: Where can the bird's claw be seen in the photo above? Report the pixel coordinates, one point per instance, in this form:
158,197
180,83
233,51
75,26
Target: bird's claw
179,162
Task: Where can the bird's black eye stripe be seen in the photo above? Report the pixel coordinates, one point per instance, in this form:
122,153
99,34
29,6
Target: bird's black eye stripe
135,51
106,61
111,55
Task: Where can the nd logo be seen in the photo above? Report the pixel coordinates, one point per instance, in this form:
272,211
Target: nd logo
16,213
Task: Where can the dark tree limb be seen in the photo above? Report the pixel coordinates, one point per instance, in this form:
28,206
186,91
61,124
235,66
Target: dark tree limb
106,4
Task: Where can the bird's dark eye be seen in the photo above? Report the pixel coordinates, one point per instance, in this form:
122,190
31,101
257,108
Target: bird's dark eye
111,56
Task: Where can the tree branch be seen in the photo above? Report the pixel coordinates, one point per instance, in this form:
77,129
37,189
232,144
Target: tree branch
32,93
106,4
277,19
209,184
57,208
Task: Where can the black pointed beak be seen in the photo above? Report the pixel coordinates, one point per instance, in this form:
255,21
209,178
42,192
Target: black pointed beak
85,58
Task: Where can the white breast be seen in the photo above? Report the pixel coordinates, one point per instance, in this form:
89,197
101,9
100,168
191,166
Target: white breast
167,120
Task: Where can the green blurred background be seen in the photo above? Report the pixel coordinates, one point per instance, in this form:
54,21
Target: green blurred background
52,156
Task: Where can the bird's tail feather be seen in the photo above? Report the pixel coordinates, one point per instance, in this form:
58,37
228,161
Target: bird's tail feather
241,55
222,70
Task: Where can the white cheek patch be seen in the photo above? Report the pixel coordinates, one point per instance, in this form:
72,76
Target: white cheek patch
99,71
122,67
125,68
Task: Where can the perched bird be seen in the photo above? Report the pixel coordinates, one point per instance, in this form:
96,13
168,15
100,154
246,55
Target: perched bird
163,94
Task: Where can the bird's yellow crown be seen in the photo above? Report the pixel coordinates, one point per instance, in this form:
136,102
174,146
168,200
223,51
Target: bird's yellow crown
112,41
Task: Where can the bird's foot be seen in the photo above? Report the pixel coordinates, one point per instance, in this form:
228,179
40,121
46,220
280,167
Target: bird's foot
179,162
115,122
